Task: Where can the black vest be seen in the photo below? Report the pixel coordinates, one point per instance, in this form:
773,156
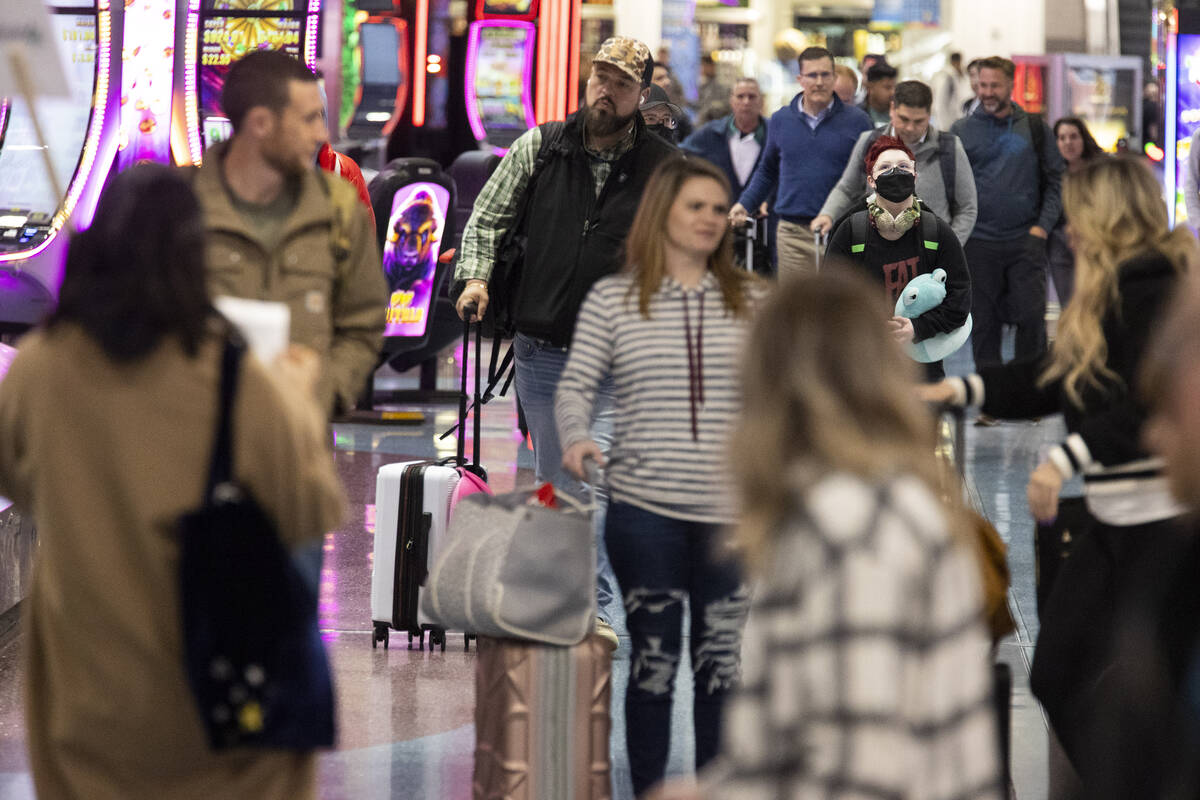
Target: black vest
574,237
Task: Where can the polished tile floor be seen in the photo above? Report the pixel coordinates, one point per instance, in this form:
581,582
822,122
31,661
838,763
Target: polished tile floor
406,715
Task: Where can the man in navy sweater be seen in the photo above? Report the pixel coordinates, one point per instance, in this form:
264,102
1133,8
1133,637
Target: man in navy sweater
808,144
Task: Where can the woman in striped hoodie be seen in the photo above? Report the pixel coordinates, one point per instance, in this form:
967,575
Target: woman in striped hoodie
669,328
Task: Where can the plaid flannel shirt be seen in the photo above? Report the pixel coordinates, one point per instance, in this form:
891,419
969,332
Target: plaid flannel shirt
499,201
866,664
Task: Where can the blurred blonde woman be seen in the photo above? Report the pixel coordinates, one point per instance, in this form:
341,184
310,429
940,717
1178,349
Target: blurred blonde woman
1128,264
866,666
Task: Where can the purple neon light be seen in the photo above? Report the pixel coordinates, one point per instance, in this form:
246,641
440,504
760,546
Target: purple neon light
473,116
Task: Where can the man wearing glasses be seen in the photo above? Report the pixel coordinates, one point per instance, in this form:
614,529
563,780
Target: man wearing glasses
808,144
660,114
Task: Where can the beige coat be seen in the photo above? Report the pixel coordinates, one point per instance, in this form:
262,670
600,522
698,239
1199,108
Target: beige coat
107,457
338,305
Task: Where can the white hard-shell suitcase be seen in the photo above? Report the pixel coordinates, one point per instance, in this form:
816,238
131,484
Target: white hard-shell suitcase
412,511
412,515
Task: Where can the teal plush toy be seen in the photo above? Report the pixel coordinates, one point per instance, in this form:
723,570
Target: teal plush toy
923,293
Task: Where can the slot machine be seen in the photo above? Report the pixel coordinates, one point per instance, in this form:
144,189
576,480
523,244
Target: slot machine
81,139
218,33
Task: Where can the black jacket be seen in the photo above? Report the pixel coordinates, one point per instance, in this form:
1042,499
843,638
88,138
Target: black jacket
574,237
1112,418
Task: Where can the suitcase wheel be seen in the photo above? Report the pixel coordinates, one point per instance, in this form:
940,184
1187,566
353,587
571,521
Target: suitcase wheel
437,636
379,634
467,637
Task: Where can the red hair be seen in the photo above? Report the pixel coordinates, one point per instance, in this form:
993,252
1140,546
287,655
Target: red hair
882,144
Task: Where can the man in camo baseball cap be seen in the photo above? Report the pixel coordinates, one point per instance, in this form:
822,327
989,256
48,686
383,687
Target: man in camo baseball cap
628,55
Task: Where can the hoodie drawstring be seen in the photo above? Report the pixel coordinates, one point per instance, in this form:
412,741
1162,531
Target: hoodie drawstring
695,363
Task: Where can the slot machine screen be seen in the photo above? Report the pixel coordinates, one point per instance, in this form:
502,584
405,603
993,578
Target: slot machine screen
410,255
380,43
1104,99
500,74
226,38
26,196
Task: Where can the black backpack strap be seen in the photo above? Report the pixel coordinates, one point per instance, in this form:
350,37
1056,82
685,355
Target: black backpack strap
948,161
1037,136
858,231
552,133
929,239
221,469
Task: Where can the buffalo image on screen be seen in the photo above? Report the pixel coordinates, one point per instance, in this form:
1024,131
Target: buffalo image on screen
410,254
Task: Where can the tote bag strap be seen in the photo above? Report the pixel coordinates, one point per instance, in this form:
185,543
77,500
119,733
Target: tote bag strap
221,468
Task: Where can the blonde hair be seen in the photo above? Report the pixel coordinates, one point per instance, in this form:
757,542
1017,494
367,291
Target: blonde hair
645,247
1116,212
826,388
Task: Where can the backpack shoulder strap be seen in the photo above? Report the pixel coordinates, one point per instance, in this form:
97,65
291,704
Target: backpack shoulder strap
858,231
339,233
1037,136
948,161
929,239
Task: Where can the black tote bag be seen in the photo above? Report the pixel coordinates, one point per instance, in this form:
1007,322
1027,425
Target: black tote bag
253,653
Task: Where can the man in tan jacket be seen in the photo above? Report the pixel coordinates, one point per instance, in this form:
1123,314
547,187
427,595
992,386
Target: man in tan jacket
280,229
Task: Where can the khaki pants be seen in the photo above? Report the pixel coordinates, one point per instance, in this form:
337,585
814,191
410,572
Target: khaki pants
795,249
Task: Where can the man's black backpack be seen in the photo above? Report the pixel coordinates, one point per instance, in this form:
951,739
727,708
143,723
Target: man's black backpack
510,252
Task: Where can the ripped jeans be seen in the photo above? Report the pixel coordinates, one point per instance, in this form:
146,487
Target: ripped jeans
660,562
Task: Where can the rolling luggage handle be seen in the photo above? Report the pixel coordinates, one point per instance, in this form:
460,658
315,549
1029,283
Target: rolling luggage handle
460,457
750,231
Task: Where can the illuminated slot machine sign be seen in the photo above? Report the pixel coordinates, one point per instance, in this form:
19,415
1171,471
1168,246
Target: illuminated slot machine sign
499,80
410,255
30,210
221,32
1183,116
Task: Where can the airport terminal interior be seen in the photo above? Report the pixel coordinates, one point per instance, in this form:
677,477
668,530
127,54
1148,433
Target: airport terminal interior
426,95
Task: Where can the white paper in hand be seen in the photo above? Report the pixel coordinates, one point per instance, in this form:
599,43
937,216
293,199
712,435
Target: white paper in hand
265,325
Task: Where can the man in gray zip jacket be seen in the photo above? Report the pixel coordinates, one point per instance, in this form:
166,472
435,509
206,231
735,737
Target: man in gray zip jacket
910,111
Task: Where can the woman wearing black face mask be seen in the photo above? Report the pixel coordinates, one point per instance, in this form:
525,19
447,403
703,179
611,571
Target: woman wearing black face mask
894,239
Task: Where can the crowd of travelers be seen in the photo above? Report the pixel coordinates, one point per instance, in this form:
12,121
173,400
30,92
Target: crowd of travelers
768,447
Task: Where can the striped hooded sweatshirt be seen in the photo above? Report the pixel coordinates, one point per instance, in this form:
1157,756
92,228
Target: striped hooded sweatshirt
677,392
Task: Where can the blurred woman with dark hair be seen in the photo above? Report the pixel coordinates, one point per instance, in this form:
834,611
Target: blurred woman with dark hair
107,419
669,330
1078,148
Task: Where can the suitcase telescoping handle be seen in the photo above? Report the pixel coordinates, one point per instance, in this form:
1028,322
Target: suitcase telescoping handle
469,311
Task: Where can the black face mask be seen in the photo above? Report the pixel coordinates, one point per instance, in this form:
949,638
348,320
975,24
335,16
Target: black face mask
663,131
896,185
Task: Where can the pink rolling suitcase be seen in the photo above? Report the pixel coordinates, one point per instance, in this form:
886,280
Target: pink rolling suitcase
542,720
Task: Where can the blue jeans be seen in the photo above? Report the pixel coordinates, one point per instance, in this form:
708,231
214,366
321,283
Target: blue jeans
659,562
539,366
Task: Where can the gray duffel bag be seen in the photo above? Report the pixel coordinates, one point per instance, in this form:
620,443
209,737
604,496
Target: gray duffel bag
517,571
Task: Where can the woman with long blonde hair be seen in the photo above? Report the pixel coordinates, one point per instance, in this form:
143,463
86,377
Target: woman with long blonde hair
1128,265
669,330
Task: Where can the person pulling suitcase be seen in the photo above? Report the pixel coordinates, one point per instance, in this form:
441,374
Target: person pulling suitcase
669,502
